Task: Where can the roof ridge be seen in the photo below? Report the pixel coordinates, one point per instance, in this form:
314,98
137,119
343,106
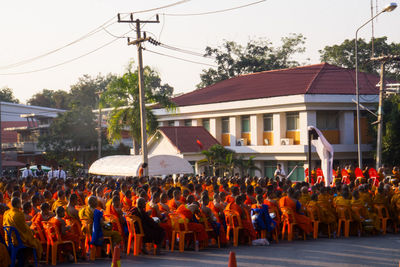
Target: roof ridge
315,77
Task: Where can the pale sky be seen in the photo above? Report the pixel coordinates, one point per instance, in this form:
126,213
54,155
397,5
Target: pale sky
31,28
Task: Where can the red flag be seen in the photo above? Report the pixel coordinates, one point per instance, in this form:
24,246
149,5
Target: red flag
199,144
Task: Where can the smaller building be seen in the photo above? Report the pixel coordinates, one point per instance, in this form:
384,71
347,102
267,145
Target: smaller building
183,141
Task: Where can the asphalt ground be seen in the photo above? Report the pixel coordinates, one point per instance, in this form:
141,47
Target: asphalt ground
353,251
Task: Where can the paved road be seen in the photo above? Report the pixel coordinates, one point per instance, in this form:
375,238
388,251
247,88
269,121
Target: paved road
353,251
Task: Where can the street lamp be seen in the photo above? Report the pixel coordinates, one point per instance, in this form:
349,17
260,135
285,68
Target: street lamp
388,8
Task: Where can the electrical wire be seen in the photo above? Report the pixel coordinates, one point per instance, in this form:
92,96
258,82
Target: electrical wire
67,61
94,31
191,61
158,8
214,12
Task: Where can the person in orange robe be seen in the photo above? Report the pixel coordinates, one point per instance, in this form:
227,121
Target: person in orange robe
126,201
188,213
238,208
65,231
153,209
174,203
43,216
211,220
114,212
289,202
61,201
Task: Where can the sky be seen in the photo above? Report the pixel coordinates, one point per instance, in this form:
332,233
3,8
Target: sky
32,28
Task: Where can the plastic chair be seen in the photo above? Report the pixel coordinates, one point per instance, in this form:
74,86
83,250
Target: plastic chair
137,235
289,222
344,215
94,250
383,216
211,231
275,210
314,214
116,225
180,228
234,224
39,234
53,241
359,216
14,248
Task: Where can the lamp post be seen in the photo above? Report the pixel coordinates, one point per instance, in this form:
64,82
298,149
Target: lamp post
388,8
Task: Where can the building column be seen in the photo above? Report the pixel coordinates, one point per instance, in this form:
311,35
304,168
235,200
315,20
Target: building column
346,127
256,130
259,164
196,122
215,128
279,126
234,130
179,123
306,118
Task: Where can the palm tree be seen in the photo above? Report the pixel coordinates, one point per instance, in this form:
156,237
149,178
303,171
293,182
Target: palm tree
122,95
218,158
246,165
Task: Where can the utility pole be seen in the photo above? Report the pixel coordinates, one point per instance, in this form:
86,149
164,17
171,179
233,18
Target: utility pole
383,60
99,129
1,147
138,42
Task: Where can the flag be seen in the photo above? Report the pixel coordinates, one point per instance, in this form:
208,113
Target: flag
199,144
325,153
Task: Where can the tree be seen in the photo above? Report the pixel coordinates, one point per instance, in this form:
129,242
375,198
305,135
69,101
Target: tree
7,95
123,92
51,99
344,55
246,165
70,133
84,92
234,59
219,159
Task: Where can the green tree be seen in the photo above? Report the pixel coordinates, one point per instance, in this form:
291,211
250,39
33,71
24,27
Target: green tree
219,159
246,165
344,55
122,95
84,92
70,134
234,59
7,95
51,99
391,130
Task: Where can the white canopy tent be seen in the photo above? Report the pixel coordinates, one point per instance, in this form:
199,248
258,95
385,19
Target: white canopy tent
128,165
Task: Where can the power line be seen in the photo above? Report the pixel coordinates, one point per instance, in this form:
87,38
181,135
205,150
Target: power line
158,8
94,31
191,61
64,62
157,43
216,11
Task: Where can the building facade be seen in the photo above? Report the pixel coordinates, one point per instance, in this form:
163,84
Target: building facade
266,114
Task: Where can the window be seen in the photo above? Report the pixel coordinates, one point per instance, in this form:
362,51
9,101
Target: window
292,121
206,124
268,123
225,125
188,122
269,168
171,123
328,120
245,124
298,173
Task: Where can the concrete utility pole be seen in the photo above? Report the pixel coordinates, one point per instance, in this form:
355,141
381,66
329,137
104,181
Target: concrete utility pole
138,42
99,129
383,60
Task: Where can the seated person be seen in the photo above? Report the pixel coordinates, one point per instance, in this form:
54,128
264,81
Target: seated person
61,200
27,209
153,233
66,233
260,216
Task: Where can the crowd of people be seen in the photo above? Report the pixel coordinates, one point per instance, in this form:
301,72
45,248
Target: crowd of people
103,207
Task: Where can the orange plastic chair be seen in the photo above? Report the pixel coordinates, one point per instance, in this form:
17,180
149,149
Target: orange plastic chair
137,235
345,216
234,224
314,214
53,241
180,228
116,224
383,216
211,231
94,250
274,209
289,222
39,234
359,216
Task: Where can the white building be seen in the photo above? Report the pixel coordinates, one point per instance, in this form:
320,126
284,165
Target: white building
266,114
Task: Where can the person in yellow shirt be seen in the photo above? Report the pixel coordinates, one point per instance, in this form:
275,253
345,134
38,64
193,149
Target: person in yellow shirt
15,217
60,202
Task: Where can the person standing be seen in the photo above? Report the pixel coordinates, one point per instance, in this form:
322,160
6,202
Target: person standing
60,173
39,172
279,172
27,172
51,174
141,170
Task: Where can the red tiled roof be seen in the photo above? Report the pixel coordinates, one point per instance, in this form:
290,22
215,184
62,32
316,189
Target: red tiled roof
10,136
313,79
184,138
